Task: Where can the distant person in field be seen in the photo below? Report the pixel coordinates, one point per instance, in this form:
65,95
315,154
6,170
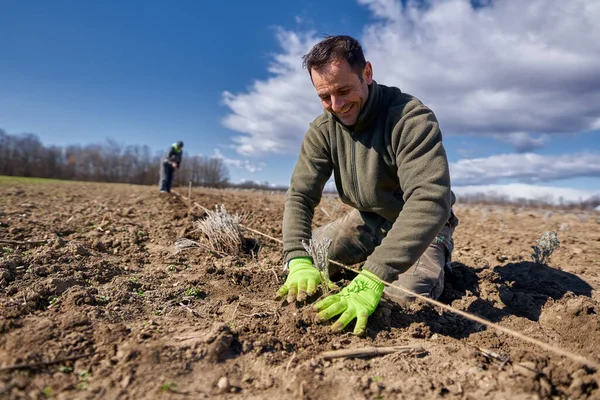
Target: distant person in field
170,163
384,149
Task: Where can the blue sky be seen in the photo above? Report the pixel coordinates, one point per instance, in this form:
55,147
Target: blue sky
515,85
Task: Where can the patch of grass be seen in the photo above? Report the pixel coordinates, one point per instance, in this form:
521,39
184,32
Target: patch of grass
11,180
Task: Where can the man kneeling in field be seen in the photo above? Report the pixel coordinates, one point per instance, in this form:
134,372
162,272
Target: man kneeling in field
384,148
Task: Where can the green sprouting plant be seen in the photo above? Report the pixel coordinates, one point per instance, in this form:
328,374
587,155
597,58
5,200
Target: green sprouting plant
134,279
47,392
84,376
54,300
546,245
194,292
102,299
169,386
65,370
319,252
140,293
171,268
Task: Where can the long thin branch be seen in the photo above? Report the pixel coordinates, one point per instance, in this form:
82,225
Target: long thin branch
18,242
44,363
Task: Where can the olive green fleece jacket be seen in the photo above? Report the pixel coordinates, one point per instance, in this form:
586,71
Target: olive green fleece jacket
391,162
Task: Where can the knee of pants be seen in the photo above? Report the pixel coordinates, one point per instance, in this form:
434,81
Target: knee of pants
351,240
425,278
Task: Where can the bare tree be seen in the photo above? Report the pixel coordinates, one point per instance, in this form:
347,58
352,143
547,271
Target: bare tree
25,155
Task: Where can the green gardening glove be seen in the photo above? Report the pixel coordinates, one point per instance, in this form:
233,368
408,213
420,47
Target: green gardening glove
301,282
357,300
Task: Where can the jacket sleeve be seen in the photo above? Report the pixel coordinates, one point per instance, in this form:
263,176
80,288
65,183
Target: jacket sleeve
424,178
313,169
169,156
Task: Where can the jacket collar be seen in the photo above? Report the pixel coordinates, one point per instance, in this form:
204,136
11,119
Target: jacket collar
367,114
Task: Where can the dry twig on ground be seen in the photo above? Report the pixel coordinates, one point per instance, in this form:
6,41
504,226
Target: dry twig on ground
372,351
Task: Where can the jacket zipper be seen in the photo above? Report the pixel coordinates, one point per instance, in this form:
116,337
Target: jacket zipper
354,174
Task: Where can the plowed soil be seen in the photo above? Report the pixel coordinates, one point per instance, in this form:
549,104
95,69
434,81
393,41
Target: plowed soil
106,306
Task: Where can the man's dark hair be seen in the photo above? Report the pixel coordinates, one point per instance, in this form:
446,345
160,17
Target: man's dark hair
335,48
179,143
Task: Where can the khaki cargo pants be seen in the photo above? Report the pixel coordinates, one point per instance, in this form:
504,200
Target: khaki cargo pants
355,236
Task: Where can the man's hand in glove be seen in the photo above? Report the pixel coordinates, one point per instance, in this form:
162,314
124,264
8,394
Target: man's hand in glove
357,300
301,282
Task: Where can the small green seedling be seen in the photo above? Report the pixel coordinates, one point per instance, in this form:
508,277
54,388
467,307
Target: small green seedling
47,392
54,300
102,299
194,292
169,386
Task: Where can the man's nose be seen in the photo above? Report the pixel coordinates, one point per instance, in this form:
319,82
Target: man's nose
337,103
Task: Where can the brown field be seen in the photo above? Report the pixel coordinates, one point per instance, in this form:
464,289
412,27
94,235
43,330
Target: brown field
150,321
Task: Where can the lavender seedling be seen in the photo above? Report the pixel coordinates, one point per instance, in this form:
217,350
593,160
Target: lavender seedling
223,230
546,245
319,252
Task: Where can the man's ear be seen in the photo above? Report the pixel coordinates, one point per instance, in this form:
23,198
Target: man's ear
368,73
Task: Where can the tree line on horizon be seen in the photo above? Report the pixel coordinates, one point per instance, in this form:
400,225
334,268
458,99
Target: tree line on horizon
25,155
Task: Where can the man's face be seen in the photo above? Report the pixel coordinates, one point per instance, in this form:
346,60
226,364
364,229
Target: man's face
341,90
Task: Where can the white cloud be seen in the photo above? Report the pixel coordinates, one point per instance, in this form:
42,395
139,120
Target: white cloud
522,142
275,113
527,167
511,67
516,191
237,163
